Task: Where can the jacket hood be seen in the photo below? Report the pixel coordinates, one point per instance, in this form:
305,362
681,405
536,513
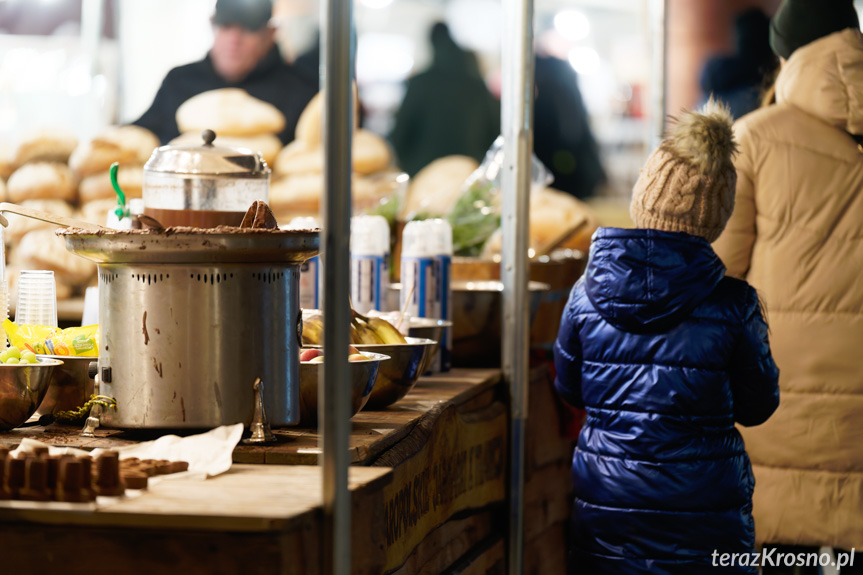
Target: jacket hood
644,280
825,79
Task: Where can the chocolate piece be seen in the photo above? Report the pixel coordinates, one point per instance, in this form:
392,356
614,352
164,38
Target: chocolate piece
35,481
15,472
40,451
4,453
87,476
4,492
259,216
69,485
108,475
53,471
163,467
178,466
135,480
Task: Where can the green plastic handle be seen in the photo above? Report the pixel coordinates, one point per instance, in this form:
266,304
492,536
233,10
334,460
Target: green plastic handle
121,210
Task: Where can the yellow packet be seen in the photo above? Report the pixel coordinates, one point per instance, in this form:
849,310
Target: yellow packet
47,340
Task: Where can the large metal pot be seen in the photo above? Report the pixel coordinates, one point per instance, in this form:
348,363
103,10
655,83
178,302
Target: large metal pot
189,320
203,186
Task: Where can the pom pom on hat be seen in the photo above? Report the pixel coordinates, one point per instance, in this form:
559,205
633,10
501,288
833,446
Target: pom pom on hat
688,183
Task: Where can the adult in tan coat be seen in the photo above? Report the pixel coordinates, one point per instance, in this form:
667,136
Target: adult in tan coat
796,234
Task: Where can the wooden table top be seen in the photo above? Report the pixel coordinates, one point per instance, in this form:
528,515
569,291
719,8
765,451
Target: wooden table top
372,433
248,498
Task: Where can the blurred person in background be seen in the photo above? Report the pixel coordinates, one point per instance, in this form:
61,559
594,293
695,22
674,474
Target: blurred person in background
796,235
447,109
741,79
244,55
562,137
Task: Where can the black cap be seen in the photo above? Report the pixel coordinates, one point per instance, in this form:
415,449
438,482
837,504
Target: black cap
799,22
250,14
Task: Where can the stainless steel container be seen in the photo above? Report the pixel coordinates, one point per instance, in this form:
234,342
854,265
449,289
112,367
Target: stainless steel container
203,186
189,320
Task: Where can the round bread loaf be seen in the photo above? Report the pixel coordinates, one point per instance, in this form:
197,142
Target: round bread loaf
370,153
297,158
43,250
229,112
130,178
46,145
294,196
7,161
41,181
267,145
3,192
132,138
97,155
96,211
435,188
309,124
19,226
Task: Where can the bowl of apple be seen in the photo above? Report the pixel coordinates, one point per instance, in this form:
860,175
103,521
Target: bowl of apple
363,367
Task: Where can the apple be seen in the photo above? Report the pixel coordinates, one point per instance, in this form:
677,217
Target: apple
352,350
357,357
317,359
309,354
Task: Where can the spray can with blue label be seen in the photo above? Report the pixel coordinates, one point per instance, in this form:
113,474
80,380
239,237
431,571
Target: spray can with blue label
310,270
418,292
441,248
370,259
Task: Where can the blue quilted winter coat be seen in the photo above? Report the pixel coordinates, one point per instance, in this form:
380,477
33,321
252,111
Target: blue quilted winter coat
665,353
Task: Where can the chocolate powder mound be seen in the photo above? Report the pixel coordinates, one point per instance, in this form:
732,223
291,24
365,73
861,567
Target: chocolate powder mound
259,216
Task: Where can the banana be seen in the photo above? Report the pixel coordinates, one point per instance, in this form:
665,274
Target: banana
368,335
313,330
385,331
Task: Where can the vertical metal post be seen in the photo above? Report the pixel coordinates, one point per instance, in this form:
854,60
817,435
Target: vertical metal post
92,17
517,126
658,17
334,411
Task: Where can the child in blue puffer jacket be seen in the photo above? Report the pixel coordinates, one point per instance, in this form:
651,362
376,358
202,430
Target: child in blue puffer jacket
666,354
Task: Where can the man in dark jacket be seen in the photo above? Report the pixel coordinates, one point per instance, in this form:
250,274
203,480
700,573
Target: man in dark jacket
244,55
666,353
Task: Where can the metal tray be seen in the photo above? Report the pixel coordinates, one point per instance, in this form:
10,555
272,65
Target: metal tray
192,245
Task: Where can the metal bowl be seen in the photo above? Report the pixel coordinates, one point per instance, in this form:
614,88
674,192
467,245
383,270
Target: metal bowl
477,309
71,385
428,328
401,371
363,376
22,388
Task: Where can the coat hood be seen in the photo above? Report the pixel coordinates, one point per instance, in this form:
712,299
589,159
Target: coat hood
825,79
644,280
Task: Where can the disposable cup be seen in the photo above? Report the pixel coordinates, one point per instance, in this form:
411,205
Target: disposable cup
37,298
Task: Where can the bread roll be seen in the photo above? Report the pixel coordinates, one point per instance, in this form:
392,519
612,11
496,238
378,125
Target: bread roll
229,112
19,226
3,193
41,181
297,159
7,161
267,144
298,195
132,138
97,155
435,188
46,145
130,178
43,250
96,212
370,154
309,124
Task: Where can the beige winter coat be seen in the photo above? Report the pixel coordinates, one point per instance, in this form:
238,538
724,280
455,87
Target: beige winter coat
796,234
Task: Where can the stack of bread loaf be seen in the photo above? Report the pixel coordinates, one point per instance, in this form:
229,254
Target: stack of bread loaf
238,120
52,171
298,181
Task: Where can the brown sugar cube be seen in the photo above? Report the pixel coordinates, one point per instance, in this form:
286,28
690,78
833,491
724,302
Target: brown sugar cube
4,453
69,483
35,480
15,475
4,492
178,466
134,479
108,480
53,471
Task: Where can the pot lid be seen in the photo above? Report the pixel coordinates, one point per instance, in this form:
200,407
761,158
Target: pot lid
208,160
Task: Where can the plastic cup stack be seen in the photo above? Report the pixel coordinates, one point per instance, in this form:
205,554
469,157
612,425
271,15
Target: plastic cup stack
4,286
370,259
37,298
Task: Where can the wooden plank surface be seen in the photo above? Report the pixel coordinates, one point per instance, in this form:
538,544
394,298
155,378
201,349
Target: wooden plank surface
248,498
372,433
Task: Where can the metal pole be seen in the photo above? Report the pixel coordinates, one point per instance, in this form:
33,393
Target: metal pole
92,16
334,412
658,19
517,126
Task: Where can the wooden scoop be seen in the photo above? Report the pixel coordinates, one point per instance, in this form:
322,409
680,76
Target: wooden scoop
61,221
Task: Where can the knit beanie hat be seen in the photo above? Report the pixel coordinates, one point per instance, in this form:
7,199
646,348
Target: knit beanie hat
688,183
799,22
